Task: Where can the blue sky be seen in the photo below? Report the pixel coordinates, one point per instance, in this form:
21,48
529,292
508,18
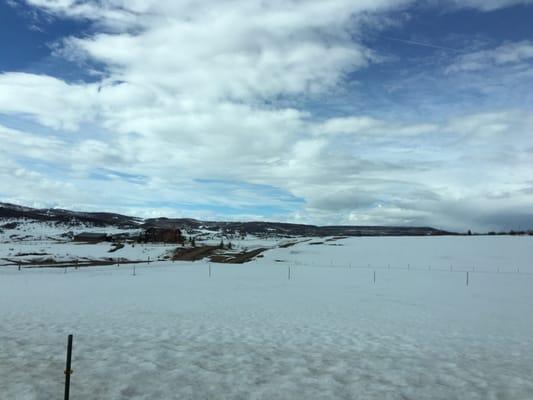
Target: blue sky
339,112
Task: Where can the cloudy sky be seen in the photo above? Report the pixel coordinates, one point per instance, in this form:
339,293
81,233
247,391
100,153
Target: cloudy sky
364,112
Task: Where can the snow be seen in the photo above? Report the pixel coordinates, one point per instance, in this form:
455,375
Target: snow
48,241
32,230
172,332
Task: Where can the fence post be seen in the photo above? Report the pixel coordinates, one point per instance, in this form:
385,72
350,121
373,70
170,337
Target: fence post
68,370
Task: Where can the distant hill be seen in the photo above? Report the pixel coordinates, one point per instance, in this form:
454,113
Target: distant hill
104,219
281,229
68,217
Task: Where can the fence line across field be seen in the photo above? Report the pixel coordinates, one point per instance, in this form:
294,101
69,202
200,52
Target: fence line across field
159,264
418,268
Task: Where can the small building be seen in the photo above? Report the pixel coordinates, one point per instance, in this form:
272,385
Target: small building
117,237
91,237
162,235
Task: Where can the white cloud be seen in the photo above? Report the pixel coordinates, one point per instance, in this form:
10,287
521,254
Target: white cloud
50,101
364,125
508,54
191,91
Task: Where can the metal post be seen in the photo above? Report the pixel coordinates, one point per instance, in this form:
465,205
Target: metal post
68,370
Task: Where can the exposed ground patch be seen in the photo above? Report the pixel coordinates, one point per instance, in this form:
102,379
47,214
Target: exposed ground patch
239,258
193,253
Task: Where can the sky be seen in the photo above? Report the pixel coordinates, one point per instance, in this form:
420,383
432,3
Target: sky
359,112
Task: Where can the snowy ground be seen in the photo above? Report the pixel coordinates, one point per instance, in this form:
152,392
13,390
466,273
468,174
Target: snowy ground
247,332
37,242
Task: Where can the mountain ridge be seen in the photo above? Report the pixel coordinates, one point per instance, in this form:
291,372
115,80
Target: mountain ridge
8,210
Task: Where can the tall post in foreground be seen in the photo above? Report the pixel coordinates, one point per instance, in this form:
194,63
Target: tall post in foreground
68,371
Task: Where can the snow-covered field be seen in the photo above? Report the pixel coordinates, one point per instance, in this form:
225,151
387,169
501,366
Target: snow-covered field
248,332
36,242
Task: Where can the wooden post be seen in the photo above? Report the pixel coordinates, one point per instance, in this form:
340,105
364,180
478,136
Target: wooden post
289,273
467,278
210,270
68,370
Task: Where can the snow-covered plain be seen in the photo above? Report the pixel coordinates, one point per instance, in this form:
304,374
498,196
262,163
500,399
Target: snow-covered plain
248,332
38,242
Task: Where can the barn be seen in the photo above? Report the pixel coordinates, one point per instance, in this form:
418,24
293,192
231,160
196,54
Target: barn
90,237
162,235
